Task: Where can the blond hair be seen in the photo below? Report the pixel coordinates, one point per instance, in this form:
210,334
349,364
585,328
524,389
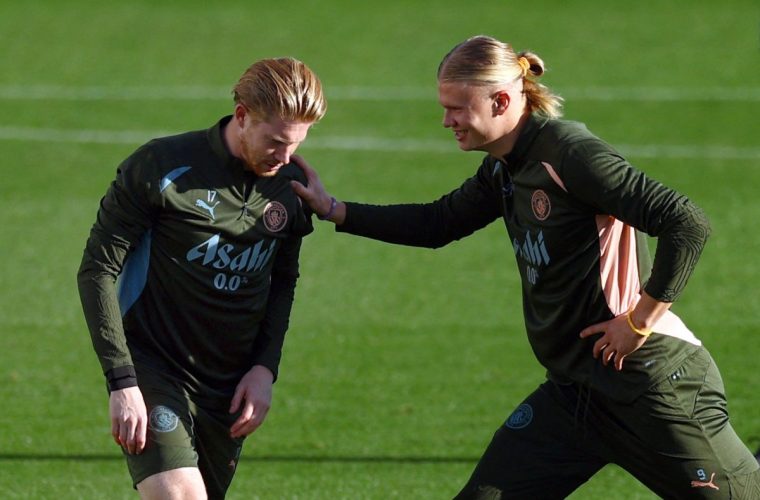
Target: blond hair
486,61
283,87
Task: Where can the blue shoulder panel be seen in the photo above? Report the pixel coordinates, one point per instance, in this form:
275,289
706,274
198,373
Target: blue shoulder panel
171,176
134,275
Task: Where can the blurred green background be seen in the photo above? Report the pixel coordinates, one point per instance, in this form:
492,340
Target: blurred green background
400,363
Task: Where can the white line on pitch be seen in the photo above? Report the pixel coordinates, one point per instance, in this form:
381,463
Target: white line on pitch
361,93
373,144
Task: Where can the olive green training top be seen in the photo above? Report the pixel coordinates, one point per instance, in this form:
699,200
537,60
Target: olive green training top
207,258
570,204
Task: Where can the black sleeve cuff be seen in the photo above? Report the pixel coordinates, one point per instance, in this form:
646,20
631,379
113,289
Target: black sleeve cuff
121,378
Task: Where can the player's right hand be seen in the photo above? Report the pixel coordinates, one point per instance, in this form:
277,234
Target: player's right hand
617,340
129,419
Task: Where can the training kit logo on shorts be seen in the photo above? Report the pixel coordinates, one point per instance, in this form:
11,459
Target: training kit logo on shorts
163,419
703,482
540,204
521,417
275,216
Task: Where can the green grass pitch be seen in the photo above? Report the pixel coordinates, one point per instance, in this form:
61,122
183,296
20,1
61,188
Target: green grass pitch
400,363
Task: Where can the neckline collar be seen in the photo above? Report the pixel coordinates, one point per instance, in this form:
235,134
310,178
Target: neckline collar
216,138
528,134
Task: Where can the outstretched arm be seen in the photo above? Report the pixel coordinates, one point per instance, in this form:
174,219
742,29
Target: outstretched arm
455,215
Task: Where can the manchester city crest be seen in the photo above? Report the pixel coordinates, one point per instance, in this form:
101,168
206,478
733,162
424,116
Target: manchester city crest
540,204
521,417
163,419
275,216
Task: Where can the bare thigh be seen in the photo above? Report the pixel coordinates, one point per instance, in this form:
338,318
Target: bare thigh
182,483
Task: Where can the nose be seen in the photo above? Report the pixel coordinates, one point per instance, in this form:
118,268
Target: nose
448,121
282,155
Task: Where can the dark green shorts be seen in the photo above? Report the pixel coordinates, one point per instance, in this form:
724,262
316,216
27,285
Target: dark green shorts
184,433
676,439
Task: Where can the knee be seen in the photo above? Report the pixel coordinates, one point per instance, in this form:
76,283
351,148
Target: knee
184,483
746,485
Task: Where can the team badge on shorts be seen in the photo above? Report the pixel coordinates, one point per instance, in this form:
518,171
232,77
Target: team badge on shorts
275,216
163,419
521,417
540,204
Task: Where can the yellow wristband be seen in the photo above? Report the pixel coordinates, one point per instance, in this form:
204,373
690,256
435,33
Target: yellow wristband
639,331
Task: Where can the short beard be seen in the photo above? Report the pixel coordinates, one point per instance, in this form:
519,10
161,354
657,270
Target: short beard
269,173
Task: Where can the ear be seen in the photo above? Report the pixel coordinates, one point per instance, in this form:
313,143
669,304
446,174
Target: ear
501,102
239,114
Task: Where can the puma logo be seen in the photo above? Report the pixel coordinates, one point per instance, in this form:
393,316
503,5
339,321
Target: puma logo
202,204
708,484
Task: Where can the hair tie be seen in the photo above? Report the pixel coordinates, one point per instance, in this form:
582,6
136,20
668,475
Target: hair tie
524,65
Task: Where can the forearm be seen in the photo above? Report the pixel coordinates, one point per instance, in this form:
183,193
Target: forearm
679,247
274,325
269,342
428,225
100,304
410,224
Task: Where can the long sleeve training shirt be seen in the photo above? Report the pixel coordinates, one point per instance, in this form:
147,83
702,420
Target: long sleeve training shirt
191,266
573,209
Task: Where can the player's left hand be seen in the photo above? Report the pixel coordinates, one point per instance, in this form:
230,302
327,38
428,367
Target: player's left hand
254,394
617,341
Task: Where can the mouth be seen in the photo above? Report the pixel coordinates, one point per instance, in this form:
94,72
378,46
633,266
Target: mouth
265,168
460,135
